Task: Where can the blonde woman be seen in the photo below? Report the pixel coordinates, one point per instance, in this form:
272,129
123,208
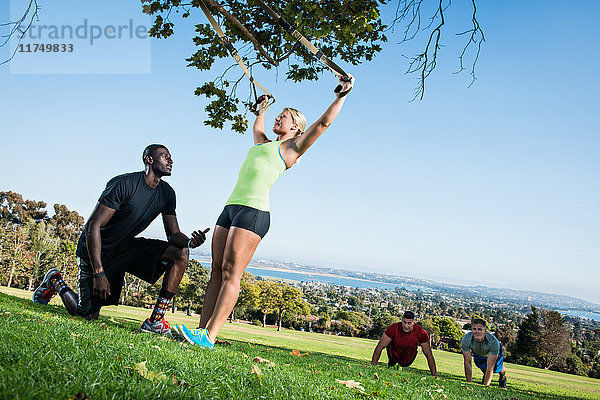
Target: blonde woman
245,219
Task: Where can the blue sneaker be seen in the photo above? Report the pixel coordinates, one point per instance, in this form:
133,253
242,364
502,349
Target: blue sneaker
45,291
195,336
178,332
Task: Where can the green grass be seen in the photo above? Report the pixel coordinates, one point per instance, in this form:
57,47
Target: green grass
47,354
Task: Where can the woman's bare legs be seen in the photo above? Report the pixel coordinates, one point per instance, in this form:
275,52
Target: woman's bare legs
239,249
219,240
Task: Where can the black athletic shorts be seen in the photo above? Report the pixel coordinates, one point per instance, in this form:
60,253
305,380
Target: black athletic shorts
392,361
245,217
140,258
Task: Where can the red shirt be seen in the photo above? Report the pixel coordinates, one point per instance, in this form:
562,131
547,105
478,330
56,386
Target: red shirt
403,348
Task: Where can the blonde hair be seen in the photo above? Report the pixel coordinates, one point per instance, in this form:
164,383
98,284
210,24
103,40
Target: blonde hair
298,118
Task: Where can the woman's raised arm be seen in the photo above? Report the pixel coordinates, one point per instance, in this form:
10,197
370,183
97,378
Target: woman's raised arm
258,129
300,144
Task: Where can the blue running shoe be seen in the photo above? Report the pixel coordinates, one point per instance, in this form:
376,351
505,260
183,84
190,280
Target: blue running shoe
179,332
45,291
176,333
196,336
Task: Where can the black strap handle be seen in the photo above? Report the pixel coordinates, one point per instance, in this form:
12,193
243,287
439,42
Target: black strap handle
338,89
254,107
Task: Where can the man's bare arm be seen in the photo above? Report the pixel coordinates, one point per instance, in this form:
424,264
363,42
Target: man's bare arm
489,371
426,346
383,343
468,366
178,238
99,218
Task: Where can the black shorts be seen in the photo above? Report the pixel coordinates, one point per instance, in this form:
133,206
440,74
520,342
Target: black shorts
245,217
392,361
141,258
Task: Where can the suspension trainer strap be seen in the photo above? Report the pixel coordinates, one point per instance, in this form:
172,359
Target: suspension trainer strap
298,36
235,55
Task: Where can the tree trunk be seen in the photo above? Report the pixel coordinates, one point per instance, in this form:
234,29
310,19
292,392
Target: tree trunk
30,284
280,317
10,278
189,308
264,319
126,291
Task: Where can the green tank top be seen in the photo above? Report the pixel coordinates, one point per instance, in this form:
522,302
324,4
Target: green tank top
263,165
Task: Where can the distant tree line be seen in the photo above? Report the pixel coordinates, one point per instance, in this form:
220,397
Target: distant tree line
264,301
31,242
546,340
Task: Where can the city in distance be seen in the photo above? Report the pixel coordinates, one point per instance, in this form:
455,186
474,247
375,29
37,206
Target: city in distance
294,271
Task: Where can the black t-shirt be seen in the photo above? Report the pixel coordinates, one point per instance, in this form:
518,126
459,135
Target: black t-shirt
136,205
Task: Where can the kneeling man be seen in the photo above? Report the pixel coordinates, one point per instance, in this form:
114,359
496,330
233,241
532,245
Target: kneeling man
486,351
401,341
108,247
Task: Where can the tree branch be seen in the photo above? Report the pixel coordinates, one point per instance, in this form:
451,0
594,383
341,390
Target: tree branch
422,61
472,40
17,26
403,9
288,53
242,28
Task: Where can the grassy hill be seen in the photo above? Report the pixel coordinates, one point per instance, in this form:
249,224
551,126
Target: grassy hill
47,354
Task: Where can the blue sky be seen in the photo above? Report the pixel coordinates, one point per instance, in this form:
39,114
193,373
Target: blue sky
495,184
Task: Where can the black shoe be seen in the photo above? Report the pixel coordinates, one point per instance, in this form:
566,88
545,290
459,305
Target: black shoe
502,382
